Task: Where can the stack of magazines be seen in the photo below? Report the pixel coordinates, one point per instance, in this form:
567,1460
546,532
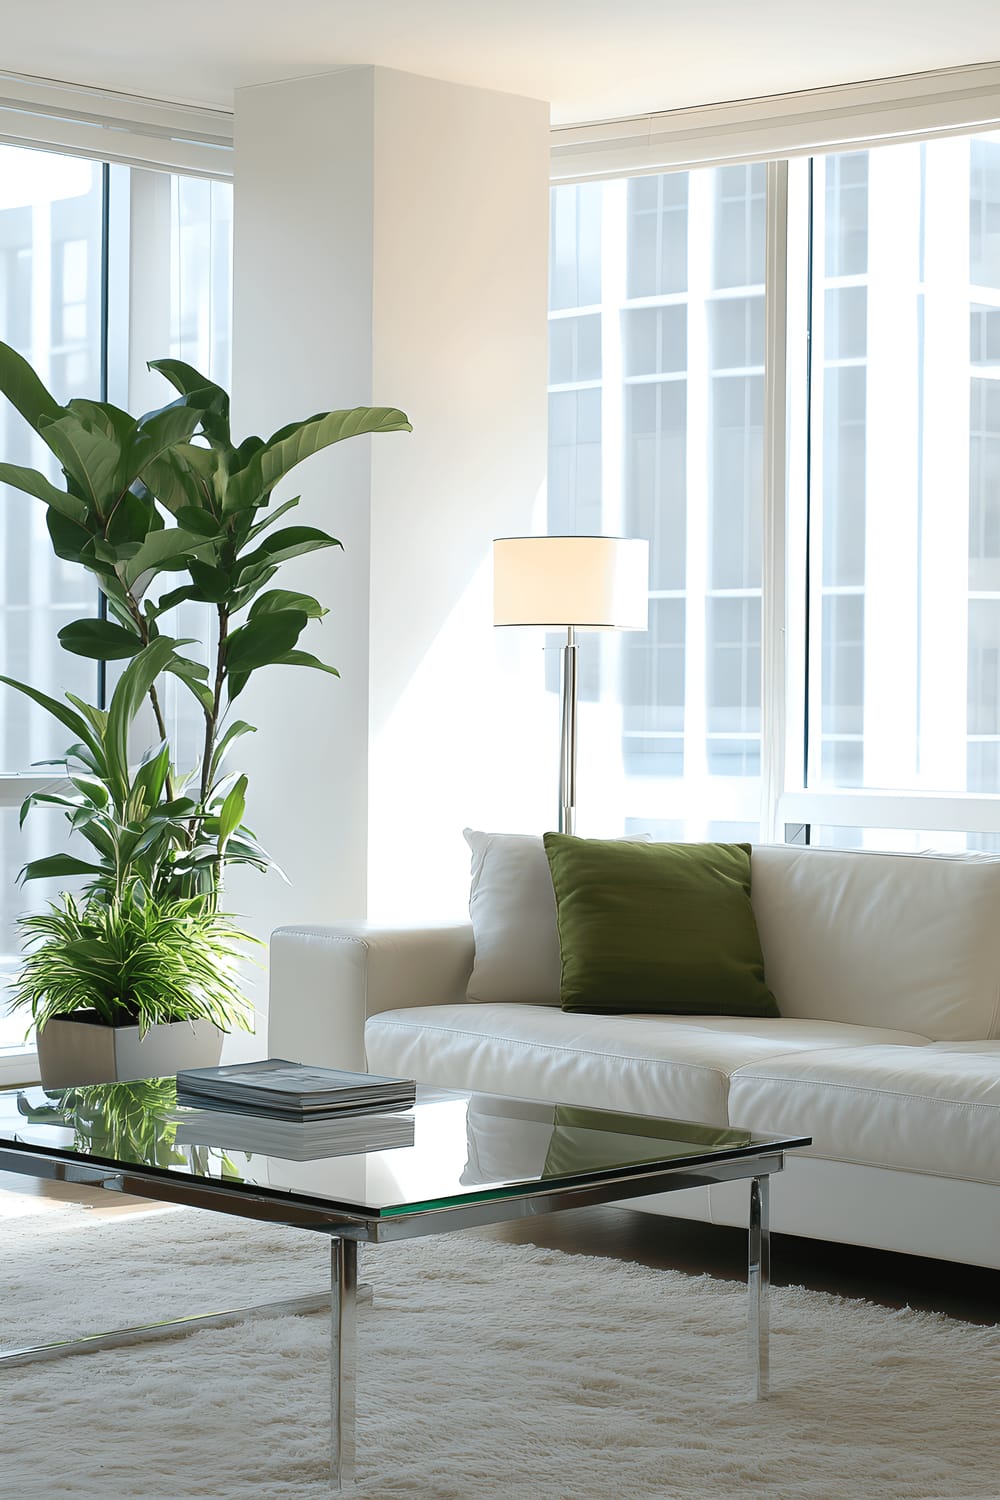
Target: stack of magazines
292,1091
293,1140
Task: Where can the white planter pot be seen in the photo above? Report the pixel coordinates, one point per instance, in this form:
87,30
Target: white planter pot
72,1051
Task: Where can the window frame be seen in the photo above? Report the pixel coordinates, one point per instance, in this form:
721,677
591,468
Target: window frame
606,153
128,244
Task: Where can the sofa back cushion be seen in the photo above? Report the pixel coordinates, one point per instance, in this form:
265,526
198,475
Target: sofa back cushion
513,910
907,941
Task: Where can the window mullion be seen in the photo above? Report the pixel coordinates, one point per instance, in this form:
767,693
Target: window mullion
774,510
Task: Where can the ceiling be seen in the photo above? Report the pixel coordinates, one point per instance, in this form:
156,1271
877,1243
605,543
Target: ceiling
593,59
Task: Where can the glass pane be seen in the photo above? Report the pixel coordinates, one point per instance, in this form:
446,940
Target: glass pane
905,424
655,340
657,234
575,349
50,307
733,671
575,246
984,212
678,439
738,236
461,1149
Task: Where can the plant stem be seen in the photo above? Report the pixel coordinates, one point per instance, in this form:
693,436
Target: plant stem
161,727
211,729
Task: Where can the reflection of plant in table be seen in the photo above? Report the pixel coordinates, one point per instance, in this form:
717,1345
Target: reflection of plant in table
126,1122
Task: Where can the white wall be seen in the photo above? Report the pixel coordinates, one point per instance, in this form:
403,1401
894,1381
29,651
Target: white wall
391,248
460,332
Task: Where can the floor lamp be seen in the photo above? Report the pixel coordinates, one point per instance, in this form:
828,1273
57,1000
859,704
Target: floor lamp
572,583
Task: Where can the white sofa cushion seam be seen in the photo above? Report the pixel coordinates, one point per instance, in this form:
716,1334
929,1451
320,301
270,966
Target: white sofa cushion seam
510,1041
885,1166
858,1088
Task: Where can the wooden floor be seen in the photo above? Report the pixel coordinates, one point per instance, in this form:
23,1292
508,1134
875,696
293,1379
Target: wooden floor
649,1239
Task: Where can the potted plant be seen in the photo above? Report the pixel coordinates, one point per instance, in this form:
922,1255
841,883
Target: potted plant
161,509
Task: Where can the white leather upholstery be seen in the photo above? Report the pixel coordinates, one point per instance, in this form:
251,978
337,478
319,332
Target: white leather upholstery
901,940
324,981
659,1065
918,1109
840,1201
887,972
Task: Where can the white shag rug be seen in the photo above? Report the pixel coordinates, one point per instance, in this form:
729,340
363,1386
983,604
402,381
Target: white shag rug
486,1372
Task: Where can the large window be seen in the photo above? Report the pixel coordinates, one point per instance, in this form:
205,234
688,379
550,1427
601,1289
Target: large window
102,268
656,419
891,659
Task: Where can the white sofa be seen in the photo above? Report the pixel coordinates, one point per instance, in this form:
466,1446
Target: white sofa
886,969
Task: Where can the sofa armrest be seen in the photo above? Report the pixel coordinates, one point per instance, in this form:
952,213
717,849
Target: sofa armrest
326,981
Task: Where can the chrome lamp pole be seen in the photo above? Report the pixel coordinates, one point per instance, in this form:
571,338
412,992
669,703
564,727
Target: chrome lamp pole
567,734
571,583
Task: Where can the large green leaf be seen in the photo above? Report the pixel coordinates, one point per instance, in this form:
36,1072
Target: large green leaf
74,722
192,674
213,584
91,458
148,782
130,522
299,441
33,483
111,420
212,401
231,812
129,694
290,541
160,548
305,659
91,787
272,516
260,642
69,538
96,717
236,730
58,864
159,432
100,640
195,518
278,599
170,479
23,388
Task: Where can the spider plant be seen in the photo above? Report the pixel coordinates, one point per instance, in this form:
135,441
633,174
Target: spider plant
134,960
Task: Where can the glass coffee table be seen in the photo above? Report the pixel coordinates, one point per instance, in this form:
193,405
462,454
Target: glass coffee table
453,1162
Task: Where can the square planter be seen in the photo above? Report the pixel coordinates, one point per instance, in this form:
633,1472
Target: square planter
74,1050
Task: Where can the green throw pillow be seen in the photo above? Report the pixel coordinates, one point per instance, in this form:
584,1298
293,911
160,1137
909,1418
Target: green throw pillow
657,927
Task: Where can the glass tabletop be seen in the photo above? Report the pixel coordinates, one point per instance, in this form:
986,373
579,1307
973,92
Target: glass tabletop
450,1149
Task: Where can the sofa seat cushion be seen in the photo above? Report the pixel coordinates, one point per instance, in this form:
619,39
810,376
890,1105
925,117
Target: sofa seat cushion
932,1109
658,1065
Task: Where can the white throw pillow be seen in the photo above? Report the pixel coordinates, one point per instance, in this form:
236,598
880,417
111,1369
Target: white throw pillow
513,910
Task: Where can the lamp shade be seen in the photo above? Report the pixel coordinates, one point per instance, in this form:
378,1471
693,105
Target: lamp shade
589,582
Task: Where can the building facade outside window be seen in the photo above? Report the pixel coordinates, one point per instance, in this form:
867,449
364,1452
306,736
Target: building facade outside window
657,415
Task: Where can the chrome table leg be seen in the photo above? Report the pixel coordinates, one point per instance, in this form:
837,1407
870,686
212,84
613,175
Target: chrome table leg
344,1286
758,1285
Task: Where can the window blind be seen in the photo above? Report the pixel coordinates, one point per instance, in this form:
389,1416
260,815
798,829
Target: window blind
115,127
918,106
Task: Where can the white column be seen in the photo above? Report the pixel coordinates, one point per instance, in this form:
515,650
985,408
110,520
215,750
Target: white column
390,238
